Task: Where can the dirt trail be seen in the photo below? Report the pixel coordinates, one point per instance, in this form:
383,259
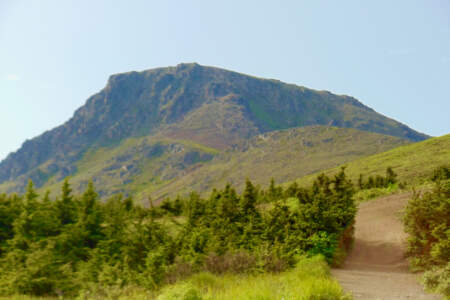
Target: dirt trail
376,267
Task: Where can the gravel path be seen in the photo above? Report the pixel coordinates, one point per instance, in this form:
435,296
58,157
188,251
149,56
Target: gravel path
376,267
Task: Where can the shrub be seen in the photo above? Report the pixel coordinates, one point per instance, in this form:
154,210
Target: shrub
178,270
441,173
378,181
237,262
438,280
427,221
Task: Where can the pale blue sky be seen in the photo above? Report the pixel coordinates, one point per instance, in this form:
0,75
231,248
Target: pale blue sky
394,56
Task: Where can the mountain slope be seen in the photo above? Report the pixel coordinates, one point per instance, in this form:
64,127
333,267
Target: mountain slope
208,106
414,163
283,155
149,166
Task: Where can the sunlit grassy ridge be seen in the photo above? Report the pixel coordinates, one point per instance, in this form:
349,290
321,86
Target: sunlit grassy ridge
413,163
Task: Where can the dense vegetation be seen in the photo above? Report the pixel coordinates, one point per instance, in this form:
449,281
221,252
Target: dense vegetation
79,244
378,181
427,221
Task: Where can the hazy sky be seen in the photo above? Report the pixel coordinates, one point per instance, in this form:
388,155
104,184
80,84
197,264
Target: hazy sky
394,56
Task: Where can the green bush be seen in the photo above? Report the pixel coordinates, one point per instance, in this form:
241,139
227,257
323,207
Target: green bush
427,221
378,181
438,280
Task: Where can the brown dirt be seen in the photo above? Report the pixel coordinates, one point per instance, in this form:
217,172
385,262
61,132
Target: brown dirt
376,267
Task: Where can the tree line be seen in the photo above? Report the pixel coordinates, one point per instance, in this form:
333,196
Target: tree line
78,243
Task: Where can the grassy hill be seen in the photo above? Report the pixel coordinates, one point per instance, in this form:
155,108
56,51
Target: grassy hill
283,155
160,167
413,163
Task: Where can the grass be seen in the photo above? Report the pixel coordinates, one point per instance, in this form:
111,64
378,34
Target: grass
284,155
414,163
24,297
127,167
364,195
309,280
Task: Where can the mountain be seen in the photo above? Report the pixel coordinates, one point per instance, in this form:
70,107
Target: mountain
201,110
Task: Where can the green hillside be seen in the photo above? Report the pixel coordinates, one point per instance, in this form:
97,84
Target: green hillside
414,163
160,167
132,165
284,155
